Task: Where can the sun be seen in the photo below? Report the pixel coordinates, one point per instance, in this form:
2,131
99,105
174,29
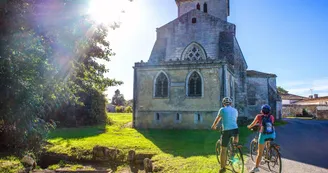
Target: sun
107,11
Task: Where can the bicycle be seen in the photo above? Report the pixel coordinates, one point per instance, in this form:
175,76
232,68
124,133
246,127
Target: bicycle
234,155
271,157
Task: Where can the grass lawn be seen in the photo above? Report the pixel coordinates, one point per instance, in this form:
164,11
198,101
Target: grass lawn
10,164
176,150
302,118
280,123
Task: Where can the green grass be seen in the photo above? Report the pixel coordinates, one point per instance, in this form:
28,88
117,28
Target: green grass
10,164
69,167
176,150
280,123
302,118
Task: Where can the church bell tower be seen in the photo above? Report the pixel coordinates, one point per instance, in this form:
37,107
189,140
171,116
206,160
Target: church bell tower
217,8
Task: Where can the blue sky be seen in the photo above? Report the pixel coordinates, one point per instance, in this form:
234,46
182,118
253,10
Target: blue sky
287,38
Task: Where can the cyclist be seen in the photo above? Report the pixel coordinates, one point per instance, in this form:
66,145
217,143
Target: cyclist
266,120
229,115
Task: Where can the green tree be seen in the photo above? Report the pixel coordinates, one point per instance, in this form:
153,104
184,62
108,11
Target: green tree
282,90
118,98
49,69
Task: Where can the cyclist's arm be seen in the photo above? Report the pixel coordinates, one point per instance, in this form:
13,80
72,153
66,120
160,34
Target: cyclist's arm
254,122
217,119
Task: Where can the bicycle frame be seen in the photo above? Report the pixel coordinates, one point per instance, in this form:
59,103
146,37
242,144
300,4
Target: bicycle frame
231,150
267,145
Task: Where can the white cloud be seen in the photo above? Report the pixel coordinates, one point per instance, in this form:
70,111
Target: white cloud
318,86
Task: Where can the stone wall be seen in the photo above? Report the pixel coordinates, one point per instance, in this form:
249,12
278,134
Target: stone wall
147,105
322,112
293,110
169,120
257,94
178,34
239,69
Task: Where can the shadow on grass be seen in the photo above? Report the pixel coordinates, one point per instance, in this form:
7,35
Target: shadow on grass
187,143
77,133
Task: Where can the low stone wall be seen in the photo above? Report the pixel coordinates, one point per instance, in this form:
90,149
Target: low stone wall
320,111
170,120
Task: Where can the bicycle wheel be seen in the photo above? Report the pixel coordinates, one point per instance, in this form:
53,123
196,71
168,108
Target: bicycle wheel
253,150
217,150
237,160
274,163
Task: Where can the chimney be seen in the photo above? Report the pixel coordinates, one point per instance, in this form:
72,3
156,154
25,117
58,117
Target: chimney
311,96
315,96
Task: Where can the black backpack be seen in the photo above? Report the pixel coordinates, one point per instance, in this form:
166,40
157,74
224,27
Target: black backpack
267,124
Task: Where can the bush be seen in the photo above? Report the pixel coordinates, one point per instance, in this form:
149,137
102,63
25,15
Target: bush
128,109
109,121
92,111
119,109
305,112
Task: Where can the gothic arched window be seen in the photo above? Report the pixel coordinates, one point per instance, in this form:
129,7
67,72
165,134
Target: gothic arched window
194,52
161,85
198,6
205,7
195,85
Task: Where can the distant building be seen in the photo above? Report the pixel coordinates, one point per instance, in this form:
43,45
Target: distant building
316,100
288,99
110,108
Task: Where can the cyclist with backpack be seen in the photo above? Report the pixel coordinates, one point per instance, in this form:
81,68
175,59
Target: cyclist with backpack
266,121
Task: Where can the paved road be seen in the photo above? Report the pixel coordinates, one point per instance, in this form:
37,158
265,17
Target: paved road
304,146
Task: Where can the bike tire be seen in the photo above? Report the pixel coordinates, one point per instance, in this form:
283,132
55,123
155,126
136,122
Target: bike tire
276,161
238,161
218,150
253,150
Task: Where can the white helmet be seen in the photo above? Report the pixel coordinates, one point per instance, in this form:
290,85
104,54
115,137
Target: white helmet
226,100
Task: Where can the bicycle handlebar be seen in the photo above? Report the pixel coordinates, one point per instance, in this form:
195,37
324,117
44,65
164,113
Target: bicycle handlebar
255,128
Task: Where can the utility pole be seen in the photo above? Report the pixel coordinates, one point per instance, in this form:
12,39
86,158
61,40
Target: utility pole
311,90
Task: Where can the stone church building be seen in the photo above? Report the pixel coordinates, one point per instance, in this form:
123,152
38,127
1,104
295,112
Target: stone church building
195,62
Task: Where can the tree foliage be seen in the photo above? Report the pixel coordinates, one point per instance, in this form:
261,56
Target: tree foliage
118,98
282,90
49,70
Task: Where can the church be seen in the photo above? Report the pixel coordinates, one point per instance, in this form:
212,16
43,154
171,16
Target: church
195,62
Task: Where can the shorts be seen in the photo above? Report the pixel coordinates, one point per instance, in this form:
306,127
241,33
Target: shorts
263,137
226,135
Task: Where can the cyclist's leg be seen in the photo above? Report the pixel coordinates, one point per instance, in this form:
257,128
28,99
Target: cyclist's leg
223,157
225,137
261,144
235,136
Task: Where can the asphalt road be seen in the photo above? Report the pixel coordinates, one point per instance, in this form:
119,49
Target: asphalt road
304,147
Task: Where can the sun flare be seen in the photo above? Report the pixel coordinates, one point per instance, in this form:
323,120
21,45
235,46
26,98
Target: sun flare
108,11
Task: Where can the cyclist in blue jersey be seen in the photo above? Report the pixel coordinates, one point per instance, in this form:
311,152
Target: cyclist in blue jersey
229,115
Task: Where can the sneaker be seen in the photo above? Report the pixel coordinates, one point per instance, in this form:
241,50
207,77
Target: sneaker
255,169
222,170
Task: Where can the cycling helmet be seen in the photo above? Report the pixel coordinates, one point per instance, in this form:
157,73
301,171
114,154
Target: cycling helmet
266,109
226,100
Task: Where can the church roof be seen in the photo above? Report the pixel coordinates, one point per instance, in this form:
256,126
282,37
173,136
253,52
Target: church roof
253,73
